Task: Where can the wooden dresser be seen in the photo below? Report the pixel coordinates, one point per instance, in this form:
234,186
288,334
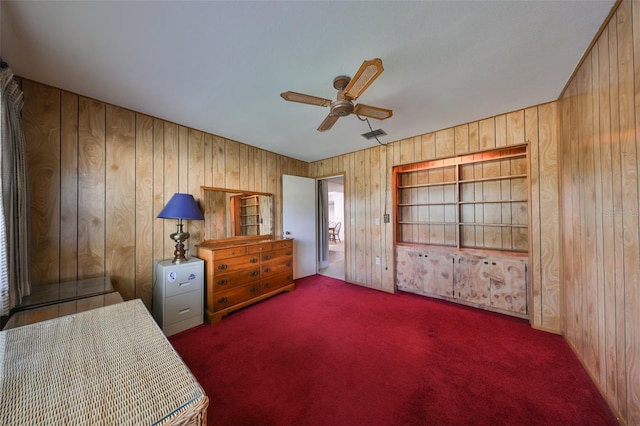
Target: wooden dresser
242,272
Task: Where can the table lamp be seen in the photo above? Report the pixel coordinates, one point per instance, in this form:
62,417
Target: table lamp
181,207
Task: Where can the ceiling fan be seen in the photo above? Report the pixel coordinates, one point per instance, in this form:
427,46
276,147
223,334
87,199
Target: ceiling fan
349,89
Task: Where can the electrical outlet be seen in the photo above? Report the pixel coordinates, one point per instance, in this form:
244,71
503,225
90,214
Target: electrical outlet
386,218
377,221
377,260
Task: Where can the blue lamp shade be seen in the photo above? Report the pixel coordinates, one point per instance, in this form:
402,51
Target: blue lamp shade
181,206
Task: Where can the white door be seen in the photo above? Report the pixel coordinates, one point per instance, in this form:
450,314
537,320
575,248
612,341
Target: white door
299,222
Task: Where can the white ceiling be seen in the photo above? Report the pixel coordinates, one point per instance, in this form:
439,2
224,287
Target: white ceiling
220,66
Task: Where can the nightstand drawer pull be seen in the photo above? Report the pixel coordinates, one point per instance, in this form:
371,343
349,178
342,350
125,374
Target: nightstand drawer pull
266,257
254,260
289,253
267,285
222,266
222,282
254,289
184,311
223,300
254,273
267,270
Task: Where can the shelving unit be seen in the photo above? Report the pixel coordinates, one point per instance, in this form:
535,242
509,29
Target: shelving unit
474,201
462,229
246,215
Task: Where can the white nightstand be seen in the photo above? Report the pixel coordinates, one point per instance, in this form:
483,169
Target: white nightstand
178,291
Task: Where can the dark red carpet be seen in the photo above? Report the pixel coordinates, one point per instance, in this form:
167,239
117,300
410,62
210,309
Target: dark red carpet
332,353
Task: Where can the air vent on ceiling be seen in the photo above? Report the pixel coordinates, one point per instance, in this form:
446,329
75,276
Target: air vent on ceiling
374,134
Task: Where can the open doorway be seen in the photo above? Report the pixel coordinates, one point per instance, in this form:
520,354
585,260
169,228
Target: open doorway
332,262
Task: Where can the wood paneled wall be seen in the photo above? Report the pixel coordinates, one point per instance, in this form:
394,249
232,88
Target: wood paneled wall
100,174
600,112
368,194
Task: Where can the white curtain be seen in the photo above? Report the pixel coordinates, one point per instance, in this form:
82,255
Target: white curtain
15,232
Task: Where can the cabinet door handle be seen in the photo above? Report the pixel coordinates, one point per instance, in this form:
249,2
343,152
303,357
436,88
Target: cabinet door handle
184,311
222,266
254,274
223,300
254,260
222,282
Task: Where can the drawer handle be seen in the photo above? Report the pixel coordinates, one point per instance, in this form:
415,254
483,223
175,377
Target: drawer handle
289,253
267,285
222,266
288,264
254,274
254,289
222,282
254,260
267,270
184,283
184,311
266,257
223,300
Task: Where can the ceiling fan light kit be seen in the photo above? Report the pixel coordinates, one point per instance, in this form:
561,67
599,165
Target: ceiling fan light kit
349,89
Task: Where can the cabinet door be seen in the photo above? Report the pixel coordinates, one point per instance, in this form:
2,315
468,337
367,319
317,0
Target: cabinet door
409,271
438,273
471,279
508,281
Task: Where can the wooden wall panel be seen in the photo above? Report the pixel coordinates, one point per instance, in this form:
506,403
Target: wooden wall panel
600,249
100,174
91,188
69,187
171,184
120,151
42,122
144,207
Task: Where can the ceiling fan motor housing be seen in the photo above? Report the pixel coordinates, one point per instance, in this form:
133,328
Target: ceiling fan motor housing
342,107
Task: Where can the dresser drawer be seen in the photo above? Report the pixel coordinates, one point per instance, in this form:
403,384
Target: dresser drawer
236,295
235,263
277,266
229,252
183,306
222,282
281,244
260,248
276,254
275,282
182,281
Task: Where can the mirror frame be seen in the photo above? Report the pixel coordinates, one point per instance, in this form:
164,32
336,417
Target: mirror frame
206,189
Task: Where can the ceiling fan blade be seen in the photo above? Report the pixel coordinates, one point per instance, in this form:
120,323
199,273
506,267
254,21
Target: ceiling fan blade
328,122
368,72
372,112
305,99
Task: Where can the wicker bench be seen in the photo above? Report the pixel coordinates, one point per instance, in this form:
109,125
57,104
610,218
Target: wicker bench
106,366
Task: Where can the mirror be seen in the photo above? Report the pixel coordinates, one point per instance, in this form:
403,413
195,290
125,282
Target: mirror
232,213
